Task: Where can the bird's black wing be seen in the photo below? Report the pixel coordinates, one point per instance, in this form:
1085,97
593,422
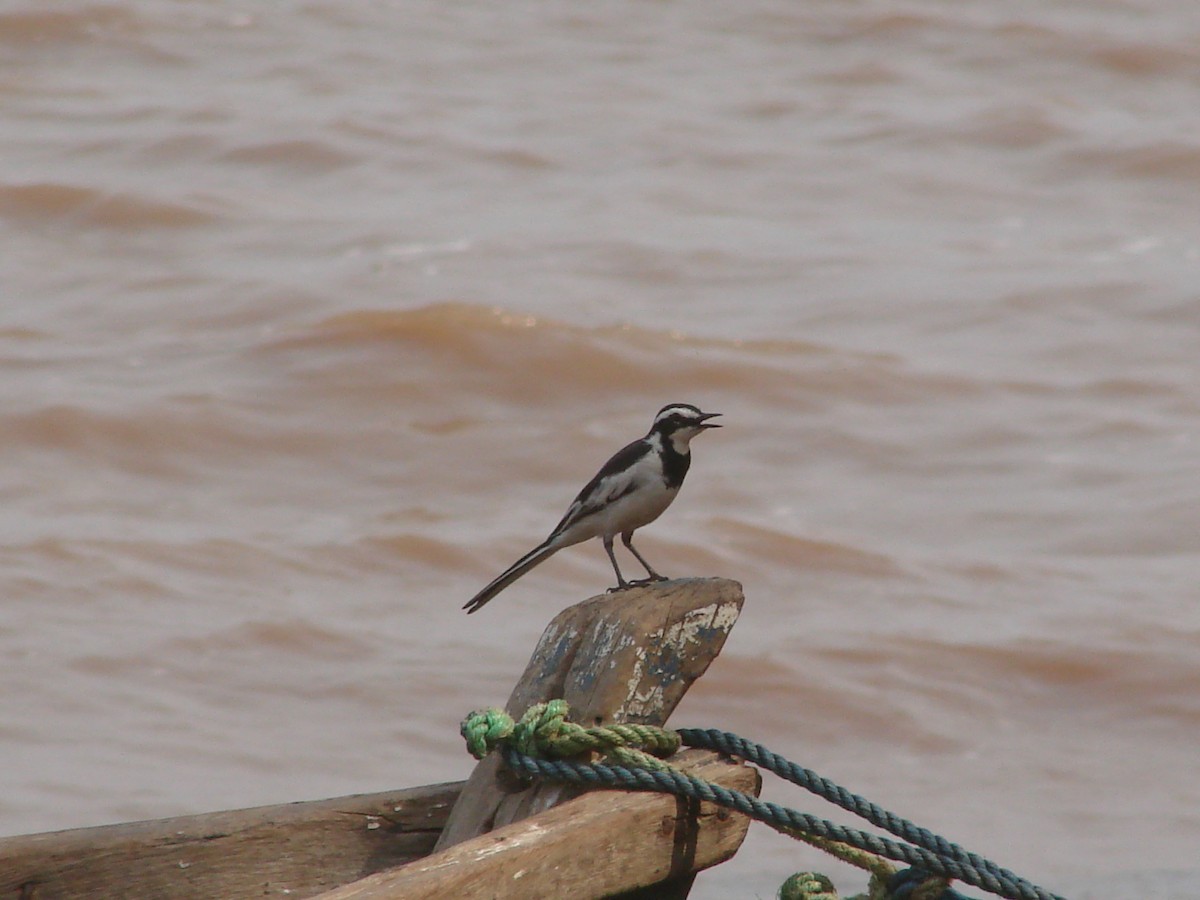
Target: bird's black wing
616,478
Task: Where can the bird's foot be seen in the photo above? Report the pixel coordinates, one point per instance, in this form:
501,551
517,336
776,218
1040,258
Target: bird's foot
623,586
642,582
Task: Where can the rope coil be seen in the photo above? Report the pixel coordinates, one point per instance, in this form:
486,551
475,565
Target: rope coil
545,731
541,743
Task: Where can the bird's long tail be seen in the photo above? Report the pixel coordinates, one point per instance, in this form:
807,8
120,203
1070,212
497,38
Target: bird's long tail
540,553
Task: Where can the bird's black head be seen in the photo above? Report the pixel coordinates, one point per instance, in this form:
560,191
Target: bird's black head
681,422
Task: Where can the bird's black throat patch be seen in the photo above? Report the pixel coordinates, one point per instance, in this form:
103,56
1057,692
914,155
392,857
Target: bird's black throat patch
675,465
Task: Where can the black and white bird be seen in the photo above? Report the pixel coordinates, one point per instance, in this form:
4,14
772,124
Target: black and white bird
631,490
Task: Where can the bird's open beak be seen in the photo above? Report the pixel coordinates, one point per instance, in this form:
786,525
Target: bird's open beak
709,424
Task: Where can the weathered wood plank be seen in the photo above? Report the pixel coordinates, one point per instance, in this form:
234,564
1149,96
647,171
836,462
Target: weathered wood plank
624,657
597,845
293,850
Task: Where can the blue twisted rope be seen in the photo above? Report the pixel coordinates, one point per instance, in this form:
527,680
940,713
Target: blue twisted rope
733,745
544,729
671,781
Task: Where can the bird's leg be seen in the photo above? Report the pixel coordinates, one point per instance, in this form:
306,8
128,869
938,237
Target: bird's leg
622,584
627,540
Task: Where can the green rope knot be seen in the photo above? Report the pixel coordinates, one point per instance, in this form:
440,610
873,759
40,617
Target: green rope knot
932,889
529,747
485,729
814,886
808,886
545,731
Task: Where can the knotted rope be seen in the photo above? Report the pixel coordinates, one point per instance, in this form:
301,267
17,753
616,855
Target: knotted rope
544,731
542,741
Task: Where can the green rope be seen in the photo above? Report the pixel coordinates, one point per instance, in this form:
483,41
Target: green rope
868,862
932,889
541,742
814,886
808,886
544,732
484,730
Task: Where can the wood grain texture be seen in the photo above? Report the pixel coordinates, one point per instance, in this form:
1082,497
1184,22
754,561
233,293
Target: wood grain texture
623,657
602,844
293,850
626,657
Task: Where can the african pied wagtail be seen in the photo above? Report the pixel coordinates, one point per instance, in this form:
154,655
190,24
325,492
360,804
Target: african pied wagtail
631,490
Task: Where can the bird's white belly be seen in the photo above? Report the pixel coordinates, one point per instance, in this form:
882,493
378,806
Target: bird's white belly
634,510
